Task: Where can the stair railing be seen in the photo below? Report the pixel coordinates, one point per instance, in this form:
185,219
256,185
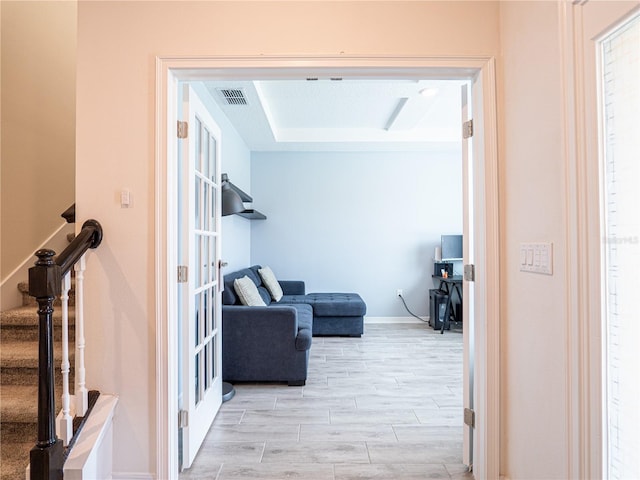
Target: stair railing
46,280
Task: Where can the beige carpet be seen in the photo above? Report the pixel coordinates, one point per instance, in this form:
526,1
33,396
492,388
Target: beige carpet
18,384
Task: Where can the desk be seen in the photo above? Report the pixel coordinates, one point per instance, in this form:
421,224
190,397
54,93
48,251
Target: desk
449,285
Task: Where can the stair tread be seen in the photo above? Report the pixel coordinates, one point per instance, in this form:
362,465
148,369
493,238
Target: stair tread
19,403
19,399
14,458
28,316
21,354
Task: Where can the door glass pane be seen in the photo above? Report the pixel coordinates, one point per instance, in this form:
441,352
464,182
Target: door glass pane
198,144
196,205
212,269
212,369
198,261
198,310
196,393
214,319
620,86
212,169
206,208
207,366
206,312
204,264
206,135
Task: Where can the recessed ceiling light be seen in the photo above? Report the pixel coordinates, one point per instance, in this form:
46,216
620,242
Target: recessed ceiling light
428,92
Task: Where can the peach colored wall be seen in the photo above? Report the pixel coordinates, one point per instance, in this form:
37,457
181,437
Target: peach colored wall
534,328
117,46
38,124
543,428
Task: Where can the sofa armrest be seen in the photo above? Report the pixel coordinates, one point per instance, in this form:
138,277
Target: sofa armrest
292,287
264,344
274,327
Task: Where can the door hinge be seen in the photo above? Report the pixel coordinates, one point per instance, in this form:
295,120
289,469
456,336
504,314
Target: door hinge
183,274
470,417
183,129
183,419
467,129
470,273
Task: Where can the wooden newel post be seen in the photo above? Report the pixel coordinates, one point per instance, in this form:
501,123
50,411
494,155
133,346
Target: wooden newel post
47,456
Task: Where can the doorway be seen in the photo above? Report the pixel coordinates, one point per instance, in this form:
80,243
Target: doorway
481,72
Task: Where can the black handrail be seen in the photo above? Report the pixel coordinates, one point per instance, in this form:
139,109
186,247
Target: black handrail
45,280
70,214
89,237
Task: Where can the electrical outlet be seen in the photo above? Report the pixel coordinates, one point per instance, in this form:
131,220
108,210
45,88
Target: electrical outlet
399,292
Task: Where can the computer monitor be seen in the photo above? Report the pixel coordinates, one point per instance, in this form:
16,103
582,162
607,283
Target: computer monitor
451,247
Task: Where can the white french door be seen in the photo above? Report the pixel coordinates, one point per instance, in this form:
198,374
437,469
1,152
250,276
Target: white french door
479,361
199,299
468,256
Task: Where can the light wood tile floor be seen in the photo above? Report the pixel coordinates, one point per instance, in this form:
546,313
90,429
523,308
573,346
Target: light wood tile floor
387,406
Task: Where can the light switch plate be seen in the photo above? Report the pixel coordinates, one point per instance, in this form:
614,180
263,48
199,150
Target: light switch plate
536,258
125,198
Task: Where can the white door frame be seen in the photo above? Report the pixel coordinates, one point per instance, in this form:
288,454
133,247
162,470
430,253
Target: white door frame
171,70
583,22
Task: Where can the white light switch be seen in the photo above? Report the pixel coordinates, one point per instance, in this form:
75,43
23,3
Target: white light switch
536,258
125,198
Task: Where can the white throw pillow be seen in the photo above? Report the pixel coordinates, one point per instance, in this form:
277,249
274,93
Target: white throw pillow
248,292
272,284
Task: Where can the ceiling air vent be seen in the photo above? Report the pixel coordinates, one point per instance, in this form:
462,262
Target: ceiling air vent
233,96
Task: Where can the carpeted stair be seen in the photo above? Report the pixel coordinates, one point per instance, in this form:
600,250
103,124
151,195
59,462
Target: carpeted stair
19,382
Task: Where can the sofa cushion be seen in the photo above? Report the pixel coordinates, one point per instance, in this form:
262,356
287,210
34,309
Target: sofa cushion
336,304
293,300
269,280
329,304
265,295
248,292
305,315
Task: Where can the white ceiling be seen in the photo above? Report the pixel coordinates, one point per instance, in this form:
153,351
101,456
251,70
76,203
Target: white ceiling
344,115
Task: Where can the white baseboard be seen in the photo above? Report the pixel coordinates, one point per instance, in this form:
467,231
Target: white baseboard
373,320
132,476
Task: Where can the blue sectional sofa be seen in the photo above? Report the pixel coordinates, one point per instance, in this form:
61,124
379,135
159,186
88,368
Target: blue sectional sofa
272,343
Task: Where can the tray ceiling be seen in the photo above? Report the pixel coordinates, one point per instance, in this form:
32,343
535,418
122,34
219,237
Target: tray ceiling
342,114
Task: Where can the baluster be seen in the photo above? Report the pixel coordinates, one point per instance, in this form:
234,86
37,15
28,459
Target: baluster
81,394
65,421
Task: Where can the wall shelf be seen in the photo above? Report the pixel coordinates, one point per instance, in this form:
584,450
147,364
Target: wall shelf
249,213
252,214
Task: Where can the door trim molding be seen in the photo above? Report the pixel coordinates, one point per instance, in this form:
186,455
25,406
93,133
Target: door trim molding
170,70
585,347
